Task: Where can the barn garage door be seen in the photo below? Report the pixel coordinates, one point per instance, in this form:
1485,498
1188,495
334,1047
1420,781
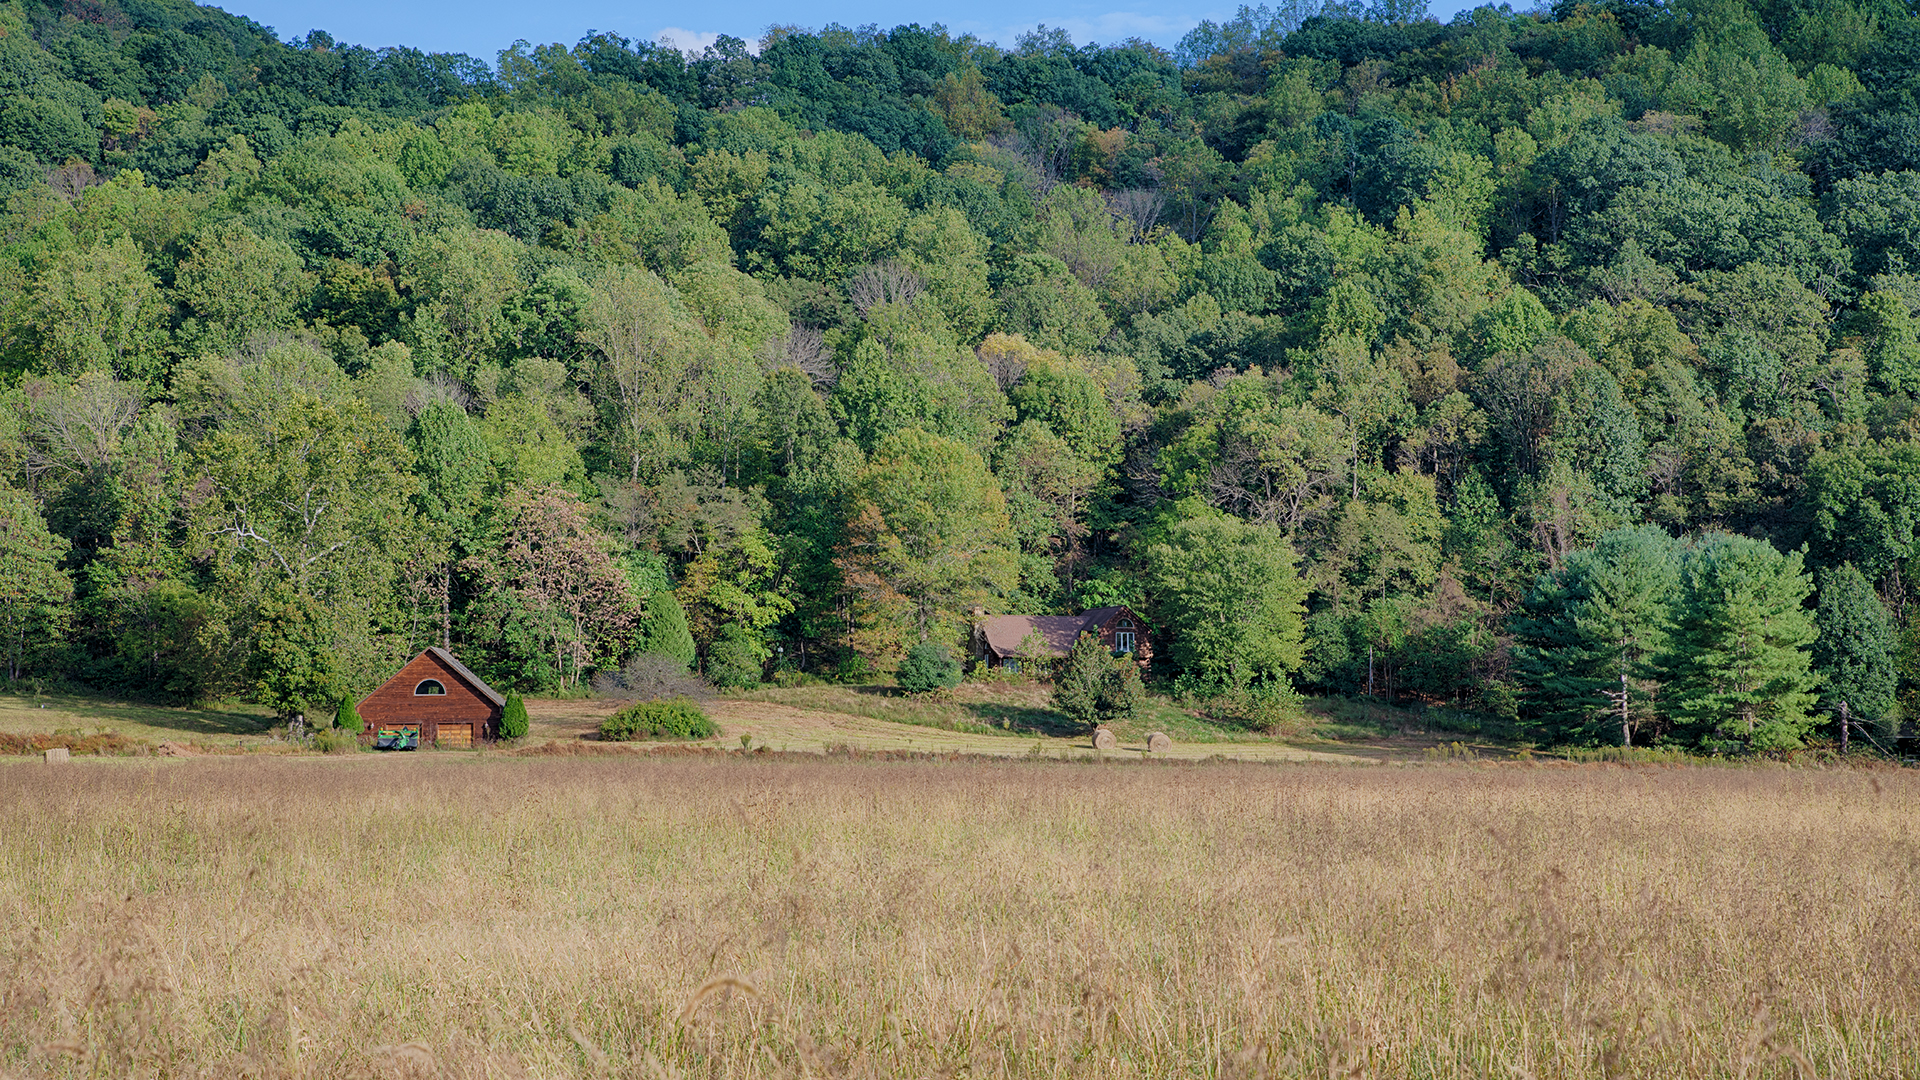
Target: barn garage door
456,735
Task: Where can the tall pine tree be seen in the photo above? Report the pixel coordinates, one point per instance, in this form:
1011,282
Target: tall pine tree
1738,665
1593,631
1855,651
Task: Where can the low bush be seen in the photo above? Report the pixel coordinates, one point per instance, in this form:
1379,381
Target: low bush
674,719
1268,709
1634,755
110,743
336,742
650,676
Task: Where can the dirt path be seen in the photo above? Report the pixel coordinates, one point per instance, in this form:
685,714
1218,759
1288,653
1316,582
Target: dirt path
785,727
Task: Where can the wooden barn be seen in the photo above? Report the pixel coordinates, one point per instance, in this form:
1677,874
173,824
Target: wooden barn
438,699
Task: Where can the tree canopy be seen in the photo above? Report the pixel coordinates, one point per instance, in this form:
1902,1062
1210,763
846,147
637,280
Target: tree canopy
1489,363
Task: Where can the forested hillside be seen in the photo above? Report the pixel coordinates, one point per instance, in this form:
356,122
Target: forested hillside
1519,362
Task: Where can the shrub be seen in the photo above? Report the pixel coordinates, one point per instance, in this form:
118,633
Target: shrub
675,719
1121,691
1276,708
928,666
649,676
513,720
347,718
336,742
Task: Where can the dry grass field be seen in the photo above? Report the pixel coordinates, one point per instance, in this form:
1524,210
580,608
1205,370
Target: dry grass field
466,915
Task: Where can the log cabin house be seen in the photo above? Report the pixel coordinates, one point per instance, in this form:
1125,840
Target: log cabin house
1005,641
438,699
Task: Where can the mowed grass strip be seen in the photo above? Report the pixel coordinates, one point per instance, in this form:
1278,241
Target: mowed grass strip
414,916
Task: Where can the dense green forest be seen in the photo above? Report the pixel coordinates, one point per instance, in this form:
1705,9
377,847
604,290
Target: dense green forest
1558,366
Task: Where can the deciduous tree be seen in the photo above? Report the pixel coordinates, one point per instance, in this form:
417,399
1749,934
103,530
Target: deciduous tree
552,588
926,541
1228,599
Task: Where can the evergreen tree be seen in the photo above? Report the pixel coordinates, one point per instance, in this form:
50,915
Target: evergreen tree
1737,664
736,658
1592,631
513,719
1081,678
346,717
1854,654
665,629
1121,692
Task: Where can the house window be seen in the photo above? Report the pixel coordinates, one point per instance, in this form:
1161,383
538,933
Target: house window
1011,665
1123,641
429,688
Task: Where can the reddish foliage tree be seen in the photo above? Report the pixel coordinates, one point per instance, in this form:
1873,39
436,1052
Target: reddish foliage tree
552,586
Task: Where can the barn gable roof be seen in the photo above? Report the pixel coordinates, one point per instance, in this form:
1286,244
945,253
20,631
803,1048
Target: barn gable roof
460,670
478,684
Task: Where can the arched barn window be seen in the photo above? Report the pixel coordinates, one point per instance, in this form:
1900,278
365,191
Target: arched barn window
428,688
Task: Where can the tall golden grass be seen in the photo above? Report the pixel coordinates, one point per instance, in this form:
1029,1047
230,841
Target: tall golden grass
746,917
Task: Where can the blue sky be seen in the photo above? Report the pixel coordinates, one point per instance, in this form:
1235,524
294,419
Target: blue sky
483,27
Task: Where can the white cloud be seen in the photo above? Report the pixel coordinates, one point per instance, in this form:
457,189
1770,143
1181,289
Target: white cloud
695,41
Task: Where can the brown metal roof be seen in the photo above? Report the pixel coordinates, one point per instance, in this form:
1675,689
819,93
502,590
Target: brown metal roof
479,685
1005,633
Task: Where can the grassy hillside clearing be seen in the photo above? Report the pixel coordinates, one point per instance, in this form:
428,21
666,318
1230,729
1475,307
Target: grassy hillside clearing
803,719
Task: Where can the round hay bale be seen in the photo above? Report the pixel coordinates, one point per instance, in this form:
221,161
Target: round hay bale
1158,743
1103,739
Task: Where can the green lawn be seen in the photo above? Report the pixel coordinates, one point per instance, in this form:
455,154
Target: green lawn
225,724
1011,709
995,707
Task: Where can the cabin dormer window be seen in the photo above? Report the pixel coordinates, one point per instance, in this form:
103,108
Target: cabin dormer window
1123,636
430,688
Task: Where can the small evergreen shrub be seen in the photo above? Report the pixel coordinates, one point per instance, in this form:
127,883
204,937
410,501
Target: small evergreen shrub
1121,692
1094,687
347,718
665,626
1077,684
513,720
674,719
928,666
